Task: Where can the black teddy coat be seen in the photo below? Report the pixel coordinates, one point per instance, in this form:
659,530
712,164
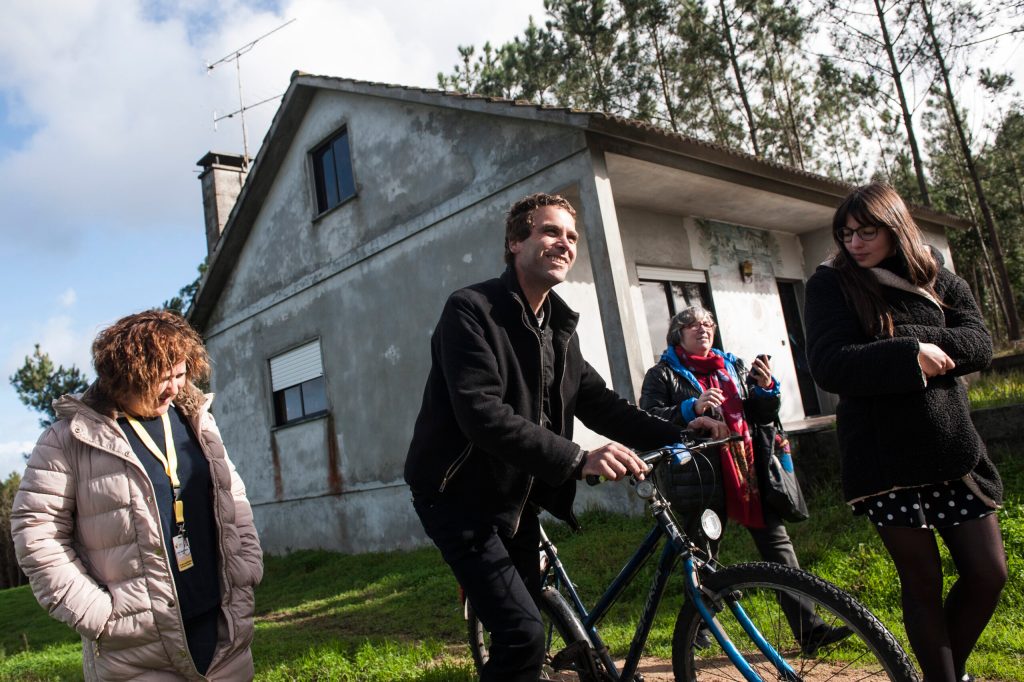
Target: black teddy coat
896,429
478,441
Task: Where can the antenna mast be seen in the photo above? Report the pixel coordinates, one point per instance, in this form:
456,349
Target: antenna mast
236,57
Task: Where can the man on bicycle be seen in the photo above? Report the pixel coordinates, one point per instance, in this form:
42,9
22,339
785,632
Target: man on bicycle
493,440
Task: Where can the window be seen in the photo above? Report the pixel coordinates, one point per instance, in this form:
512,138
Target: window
332,172
665,293
297,380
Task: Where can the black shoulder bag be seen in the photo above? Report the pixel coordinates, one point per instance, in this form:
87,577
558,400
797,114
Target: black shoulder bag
780,489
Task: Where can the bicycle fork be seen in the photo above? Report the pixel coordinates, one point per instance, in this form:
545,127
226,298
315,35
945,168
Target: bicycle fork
700,601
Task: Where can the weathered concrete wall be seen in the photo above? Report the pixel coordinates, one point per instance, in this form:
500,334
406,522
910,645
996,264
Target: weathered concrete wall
750,313
655,240
817,246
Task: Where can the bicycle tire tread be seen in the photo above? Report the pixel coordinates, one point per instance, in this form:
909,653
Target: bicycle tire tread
866,625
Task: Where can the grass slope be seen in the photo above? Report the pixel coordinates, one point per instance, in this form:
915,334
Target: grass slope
396,616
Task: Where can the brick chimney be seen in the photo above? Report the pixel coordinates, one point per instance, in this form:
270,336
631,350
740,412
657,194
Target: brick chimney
222,177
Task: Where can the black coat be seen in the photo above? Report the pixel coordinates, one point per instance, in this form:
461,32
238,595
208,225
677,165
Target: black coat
896,428
666,393
478,440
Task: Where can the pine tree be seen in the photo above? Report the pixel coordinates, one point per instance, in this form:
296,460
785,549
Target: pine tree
957,15
38,383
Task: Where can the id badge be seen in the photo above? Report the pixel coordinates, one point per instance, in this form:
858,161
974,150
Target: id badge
182,552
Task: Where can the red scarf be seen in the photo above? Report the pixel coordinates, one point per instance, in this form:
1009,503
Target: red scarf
739,477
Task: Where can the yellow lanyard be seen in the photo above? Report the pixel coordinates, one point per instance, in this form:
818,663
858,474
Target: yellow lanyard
170,462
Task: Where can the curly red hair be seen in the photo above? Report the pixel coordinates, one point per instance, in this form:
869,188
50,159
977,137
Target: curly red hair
133,354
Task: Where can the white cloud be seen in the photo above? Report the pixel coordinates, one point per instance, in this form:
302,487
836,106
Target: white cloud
68,298
59,337
121,105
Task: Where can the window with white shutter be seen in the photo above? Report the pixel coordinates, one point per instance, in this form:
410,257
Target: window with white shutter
297,381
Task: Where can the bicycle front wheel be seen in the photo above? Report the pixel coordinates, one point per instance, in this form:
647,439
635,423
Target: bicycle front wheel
799,616
563,628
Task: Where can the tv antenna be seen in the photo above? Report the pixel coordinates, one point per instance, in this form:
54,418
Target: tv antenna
236,57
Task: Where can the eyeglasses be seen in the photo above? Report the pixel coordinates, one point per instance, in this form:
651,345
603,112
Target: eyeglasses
695,326
865,232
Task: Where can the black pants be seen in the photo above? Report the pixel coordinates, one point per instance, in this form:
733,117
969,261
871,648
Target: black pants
501,579
201,635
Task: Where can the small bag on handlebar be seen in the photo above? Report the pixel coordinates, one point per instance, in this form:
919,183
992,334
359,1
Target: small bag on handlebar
780,489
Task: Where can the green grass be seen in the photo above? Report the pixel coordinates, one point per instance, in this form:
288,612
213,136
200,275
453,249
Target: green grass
994,389
396,616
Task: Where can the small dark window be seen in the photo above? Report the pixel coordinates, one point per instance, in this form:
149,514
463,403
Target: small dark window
297,380
296,402
332,171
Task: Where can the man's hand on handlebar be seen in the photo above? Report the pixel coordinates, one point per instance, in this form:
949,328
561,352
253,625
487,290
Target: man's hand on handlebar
613,461
714,428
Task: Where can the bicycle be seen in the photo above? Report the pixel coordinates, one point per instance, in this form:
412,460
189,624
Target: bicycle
740,606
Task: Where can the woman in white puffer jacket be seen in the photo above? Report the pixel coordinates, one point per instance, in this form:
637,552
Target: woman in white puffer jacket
131,522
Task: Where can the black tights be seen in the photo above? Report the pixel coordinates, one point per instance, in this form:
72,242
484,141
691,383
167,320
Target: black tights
943,635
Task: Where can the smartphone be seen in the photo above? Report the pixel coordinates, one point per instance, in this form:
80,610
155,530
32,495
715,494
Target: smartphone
765,358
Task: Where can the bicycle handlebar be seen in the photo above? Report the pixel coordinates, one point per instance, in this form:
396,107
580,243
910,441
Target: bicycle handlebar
653,457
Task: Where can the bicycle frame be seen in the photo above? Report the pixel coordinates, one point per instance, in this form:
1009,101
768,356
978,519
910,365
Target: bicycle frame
676,547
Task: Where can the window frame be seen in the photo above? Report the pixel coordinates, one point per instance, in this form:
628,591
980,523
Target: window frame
318,182
280,397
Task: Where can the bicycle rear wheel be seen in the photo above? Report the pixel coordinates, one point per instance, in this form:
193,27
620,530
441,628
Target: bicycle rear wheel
870,652
563,628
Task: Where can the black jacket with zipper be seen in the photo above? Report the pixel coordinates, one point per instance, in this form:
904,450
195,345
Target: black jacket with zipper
478,440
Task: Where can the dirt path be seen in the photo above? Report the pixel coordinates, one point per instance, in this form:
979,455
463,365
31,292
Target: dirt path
660,670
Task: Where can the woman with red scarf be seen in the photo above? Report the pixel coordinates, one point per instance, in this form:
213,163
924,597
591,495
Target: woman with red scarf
694,379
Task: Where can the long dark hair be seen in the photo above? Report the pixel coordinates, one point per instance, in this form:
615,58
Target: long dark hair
880,205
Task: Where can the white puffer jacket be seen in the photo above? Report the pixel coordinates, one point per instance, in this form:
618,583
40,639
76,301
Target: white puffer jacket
88,536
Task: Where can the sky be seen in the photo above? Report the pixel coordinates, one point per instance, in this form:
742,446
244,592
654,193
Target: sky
105,107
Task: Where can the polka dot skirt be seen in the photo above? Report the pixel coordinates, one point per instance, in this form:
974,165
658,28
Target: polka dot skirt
940,505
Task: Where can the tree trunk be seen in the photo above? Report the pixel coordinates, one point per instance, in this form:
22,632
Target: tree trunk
1012,319
738,73
986,259
908,121
791,123
663,77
